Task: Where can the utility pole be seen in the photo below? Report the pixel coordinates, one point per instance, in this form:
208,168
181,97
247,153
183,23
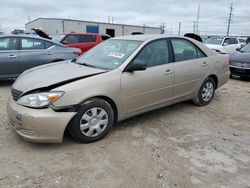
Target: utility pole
230,18
162,26
179,31
194,27
198,20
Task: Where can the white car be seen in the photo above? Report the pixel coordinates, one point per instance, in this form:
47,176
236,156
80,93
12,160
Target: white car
223,44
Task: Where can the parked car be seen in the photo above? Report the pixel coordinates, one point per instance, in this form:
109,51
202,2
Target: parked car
240,62
120,78
20,52
223,45
83,41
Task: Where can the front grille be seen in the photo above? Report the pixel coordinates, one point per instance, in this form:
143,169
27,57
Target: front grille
16,94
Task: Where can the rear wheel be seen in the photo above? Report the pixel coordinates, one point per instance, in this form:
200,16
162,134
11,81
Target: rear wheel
92,122
206,92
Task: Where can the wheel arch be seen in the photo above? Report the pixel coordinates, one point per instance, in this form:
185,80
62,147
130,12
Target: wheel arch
215,78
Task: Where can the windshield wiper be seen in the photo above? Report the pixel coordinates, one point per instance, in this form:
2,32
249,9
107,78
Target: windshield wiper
88,65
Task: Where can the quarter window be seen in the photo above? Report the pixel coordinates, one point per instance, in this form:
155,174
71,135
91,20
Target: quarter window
155,53
33,44
8,44
185,50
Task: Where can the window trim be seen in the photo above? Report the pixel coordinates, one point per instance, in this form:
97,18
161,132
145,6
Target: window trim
192,43
17,45
20,43
169,53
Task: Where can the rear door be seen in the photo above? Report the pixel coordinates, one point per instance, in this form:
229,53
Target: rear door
190,64
9,66
149,88
33,53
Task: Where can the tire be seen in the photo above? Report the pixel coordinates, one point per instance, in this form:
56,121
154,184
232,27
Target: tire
203,98
92,122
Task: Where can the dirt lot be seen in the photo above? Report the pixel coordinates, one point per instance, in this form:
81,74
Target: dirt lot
178,146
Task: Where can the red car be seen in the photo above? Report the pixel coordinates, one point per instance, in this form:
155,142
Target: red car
84,41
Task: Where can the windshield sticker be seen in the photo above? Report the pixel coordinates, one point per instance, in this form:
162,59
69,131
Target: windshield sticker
116,54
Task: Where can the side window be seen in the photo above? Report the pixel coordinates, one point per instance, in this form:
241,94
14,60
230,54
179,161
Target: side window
8,43
71,39
155,53
87,38
29,43
185,50
233,41
48,44
226,42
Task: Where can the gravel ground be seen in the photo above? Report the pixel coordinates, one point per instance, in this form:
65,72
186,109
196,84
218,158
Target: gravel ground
178,146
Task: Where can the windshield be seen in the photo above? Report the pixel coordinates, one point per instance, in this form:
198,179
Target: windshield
109,55
58,38
216,41
246,48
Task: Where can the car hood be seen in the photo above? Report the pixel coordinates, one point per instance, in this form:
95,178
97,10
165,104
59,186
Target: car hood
53,75
213,46
241,57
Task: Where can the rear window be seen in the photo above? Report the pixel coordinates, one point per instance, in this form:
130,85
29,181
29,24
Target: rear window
87,38
48,44
216,41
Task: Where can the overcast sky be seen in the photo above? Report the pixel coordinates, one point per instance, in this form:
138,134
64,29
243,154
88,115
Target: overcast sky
213,14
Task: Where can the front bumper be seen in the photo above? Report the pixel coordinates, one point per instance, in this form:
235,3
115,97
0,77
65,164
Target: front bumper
240,71
38,125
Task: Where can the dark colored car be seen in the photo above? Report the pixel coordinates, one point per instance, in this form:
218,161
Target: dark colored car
240,62
21,52
83,41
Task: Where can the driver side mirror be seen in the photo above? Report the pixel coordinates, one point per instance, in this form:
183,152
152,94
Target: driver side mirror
136,65
64,42
225,44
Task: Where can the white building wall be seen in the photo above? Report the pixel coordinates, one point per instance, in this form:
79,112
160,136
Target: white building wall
118,29
74,26
52,27
56,26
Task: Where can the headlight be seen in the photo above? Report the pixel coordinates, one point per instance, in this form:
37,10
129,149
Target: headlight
39,100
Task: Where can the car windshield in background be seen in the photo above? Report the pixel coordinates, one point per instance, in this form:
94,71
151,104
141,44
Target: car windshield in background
216,41
109,55
246,48
58,38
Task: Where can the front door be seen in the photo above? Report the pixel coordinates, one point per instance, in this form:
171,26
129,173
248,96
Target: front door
142,90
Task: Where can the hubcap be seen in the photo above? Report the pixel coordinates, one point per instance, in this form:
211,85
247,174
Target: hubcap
207,91
94,122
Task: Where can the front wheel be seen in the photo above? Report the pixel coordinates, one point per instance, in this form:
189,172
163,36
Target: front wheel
206,92
92,122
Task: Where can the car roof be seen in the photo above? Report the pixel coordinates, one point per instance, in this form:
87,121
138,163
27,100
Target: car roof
75,33
144,37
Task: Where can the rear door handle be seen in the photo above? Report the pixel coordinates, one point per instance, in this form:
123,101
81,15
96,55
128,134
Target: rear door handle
12,56
204,64
168,71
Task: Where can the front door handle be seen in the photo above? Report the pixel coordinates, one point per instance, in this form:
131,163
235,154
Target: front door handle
168,71
12,56
50,53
